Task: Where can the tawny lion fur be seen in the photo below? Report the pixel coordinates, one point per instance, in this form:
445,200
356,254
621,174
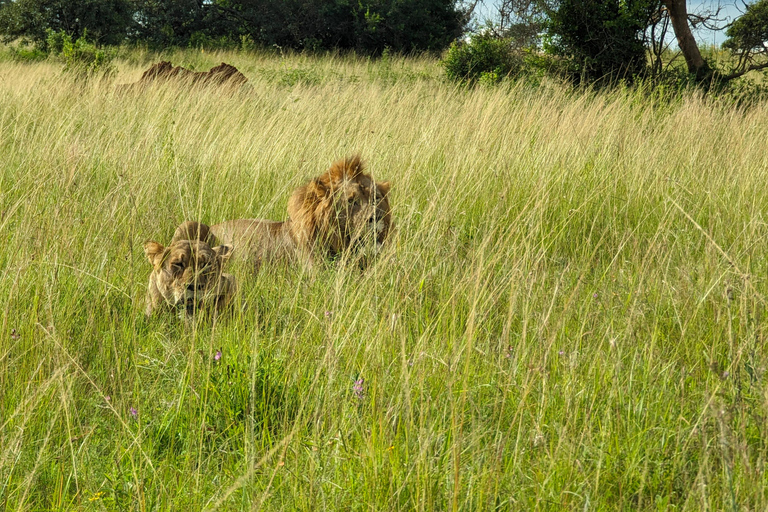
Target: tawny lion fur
223,74
342,209
187,275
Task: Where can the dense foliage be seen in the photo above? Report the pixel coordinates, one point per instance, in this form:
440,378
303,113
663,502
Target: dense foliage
592,41
604,38
80,56
750,31
366,25
483,57
106,21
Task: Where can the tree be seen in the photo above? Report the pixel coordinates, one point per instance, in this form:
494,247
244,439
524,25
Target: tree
748,39
104,21
366,25
610,37
678,15
604,38
163,23
299,24
415,25
520,21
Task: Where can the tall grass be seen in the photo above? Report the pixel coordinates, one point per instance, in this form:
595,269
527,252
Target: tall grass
569,314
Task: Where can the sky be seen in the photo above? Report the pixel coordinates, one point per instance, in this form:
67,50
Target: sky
729,9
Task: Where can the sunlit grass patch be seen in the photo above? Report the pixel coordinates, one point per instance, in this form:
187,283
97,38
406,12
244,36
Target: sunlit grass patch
568,314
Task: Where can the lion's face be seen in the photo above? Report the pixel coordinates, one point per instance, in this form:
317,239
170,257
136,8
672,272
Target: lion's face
187,276
363,213
342,209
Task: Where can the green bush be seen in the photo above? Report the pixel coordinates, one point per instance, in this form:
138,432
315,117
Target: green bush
483,58
27,53
81,56
297,76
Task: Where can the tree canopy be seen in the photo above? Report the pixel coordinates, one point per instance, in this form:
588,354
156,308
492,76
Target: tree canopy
104,20
748,38
604,38
364,25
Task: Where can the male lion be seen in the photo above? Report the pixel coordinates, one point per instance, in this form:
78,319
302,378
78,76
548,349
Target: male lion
187,275
343,211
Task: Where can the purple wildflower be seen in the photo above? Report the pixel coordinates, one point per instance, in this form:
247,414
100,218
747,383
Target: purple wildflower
217,356
562,352
134,412
328,314
357,388
594,295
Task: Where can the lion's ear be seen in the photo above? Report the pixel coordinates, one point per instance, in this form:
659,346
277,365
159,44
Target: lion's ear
383,187
154,252
223,252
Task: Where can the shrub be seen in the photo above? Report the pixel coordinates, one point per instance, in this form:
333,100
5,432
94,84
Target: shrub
81,56
483,58
27,53
300,76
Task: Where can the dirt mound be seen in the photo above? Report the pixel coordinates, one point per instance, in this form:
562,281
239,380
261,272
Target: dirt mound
223,74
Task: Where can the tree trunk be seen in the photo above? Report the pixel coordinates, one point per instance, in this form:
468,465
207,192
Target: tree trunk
678,15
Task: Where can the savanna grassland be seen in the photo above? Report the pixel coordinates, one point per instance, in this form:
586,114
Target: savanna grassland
570,314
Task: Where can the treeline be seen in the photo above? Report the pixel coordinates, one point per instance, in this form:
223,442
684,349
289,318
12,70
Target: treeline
589,41
606,42
368,26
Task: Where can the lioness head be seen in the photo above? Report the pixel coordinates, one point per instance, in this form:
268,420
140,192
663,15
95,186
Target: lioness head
187,276
342,209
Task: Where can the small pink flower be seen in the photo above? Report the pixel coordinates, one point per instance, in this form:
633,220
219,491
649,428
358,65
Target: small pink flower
107,398
134,412
357,388
217,356
15,335
328,314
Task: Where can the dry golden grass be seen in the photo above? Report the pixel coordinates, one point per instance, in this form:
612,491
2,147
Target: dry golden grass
568,316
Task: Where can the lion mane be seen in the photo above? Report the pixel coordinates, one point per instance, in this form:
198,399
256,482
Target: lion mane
341,212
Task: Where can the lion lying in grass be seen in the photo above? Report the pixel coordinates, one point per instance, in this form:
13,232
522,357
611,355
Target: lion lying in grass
187,275
343,212
223,74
